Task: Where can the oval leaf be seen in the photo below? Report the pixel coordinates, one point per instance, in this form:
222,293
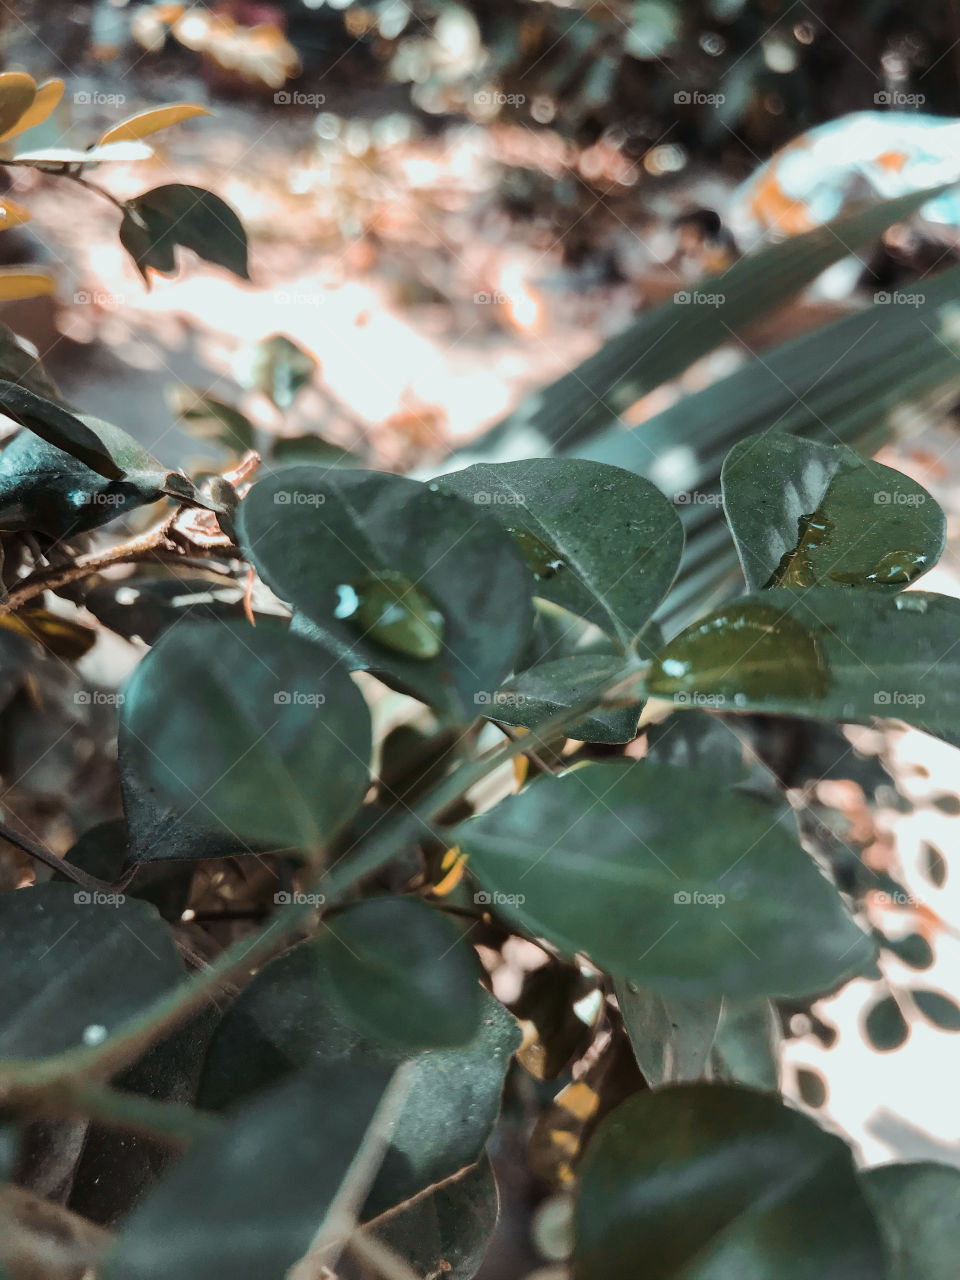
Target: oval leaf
58,427
44,104
147,122
695,900
706,1182
602,542
917,1207
271,741
17,92
345,547
157,221
402,973
814,515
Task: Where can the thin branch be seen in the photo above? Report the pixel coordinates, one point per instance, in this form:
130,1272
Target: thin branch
42,854
65,172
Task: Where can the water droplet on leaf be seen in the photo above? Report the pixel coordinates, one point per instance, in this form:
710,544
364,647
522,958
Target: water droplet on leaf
389,608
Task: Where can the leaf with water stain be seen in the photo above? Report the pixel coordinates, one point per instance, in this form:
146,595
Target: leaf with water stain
602,542
822,653
816,515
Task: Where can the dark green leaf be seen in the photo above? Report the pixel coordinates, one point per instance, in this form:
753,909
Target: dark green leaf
402,973
696,900
913,949
885,1026
76,965
102,852
917,1207
447,1232
601,542
711,1182
203,415
59,427
836,655
934,864
247,1201
538,693
142,606
696,740
746,1048
815,515
155,222
285,1019
671,1038
937,1008
291,449
428,592
271,738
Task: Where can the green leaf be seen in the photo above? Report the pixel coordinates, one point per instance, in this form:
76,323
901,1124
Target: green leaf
203,415
286,1019
694,900
696,740
917,1207
270,740
247,1201
885,1026
601,542
58,427
746,1048
76,965
536,694
145,605
402,973
278,367
671,1038
824,653
102,852
813,515
155,222
666,341
937,1008
426,591
292,449
445,1233
711,1182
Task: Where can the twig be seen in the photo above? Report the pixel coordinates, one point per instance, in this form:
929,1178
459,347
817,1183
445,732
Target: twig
41,854
67,172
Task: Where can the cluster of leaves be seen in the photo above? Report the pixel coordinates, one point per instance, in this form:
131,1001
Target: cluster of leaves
344,1099
153,224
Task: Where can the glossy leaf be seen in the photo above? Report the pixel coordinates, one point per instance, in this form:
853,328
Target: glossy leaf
157,221
917,1207
822,653
58,427
402,973
248,1200
540,692
601,542
813,515
712,1182
64,949
21,282
285,1020
671,1038
45,102
264,717
147,122
692,900
347,548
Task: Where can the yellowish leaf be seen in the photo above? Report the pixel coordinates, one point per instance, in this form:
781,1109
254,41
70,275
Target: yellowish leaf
43,105
15,282
17,92
12,214
147,122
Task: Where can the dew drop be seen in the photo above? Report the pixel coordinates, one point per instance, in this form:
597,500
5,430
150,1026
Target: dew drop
94,1034
387,607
